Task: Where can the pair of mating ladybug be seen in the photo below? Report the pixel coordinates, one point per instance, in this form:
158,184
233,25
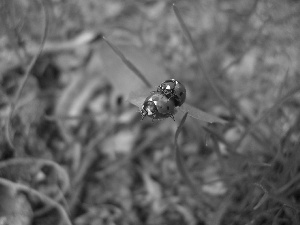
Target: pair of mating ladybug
161,104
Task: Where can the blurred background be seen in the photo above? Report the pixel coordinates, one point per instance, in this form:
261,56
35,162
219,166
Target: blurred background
74,151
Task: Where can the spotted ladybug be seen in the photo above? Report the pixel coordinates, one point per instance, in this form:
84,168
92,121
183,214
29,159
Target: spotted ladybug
158,106
173,89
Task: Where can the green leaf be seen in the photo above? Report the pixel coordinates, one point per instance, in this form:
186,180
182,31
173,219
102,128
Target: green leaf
137,98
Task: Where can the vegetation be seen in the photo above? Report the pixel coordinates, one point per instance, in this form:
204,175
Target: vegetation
73,149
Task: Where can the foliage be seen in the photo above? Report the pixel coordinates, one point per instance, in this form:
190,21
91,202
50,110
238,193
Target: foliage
74,151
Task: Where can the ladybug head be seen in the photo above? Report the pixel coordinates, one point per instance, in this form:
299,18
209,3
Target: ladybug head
143,113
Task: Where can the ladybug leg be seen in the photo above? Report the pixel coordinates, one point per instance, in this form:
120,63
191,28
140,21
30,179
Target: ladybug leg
143,113
172,116
152,118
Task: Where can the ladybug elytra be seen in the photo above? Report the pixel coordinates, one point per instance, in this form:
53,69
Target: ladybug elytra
158,106
173,89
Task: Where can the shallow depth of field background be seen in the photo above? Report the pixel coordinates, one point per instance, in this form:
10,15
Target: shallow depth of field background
82,156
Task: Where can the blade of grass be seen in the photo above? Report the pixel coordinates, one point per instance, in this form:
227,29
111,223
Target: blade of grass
69,117
250,46
264,198
127,62
275,221
288,185
278,103
200,62
11,35
184,172
217,217
27,73
62,175
280,199
35,196
217,151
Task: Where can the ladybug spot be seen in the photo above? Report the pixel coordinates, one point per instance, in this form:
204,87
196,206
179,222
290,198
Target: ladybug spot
181,93
168,108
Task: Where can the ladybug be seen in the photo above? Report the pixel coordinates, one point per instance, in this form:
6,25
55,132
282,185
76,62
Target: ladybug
173,89
158,106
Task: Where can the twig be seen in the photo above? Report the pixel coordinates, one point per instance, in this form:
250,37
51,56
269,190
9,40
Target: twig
27,73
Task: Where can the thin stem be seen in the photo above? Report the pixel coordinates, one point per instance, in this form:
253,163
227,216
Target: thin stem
27,73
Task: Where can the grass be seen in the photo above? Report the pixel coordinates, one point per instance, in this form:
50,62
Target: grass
113,168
